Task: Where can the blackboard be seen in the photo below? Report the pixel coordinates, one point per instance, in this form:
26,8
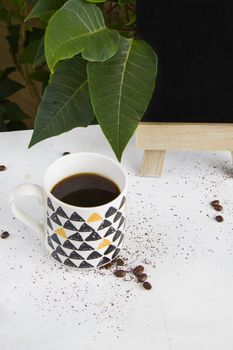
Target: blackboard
194,43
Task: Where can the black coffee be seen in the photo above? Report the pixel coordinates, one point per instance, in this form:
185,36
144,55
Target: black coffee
86,190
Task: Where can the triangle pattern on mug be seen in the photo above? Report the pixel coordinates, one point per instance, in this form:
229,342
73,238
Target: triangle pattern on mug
76,237
85,265
50,205
105,243
61,232
49,223
69,226
110,212
94,217
50,243
110,249
104,261
55,256
104,224
76,217
120,241
84,247
110,231
117,216
75,255
121,222
55,219
94,255
122,202
55,238
117,235
69,245
94,236
61,212
117,251
85,228
68,262
61,251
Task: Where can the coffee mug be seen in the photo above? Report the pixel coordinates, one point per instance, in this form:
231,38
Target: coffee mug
81,237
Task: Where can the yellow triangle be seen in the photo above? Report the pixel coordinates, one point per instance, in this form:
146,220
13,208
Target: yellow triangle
61,232
94,217
104,243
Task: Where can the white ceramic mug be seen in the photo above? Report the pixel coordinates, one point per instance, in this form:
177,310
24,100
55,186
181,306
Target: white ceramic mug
77,236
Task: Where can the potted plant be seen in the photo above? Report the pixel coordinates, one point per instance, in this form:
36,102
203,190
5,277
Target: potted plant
99,71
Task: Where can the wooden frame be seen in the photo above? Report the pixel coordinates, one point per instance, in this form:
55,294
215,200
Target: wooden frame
157,138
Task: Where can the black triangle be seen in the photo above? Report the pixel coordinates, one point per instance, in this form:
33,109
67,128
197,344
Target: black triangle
110,212
49,224
68,262
50,205
61,212
104,261
122,202
69,245
94,236
85,265
120,241
84,247
110,231
61,251
50,243
110,249
75,255
117,251
117,216
76,237
117,235
85,228
104,224
69,226
94,255
121,222
76,217
55,219
55,239
55,256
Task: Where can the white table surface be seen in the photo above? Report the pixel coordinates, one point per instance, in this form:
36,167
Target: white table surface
170,229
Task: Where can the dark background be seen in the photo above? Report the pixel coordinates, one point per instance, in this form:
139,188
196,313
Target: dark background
194,44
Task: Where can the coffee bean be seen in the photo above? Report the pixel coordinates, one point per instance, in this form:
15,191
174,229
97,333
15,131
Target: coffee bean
107,266
120,273
119,262
219,218
215,202
218,207
142,278
2,167
147,285
66,153
138,270
5,234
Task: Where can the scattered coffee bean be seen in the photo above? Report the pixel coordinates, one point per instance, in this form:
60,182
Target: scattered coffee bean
5,234
119,262
142,278
120,273
2,167
219,218
66,153
138,270
218,207
215,202
147,285
107,266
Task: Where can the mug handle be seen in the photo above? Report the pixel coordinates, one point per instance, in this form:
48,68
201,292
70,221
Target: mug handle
27,190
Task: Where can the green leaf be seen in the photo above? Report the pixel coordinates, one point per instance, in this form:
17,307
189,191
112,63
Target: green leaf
78,27
41,75
13,37
40,54
44,9
66,103
121,89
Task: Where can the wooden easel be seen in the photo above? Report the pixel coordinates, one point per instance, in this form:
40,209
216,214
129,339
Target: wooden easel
157,138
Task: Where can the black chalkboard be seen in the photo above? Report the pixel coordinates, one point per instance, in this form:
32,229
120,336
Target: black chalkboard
194,43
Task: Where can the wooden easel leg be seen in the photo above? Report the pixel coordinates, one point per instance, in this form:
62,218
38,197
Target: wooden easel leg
152,164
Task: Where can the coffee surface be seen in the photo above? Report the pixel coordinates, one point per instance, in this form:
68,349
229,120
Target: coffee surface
86,190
